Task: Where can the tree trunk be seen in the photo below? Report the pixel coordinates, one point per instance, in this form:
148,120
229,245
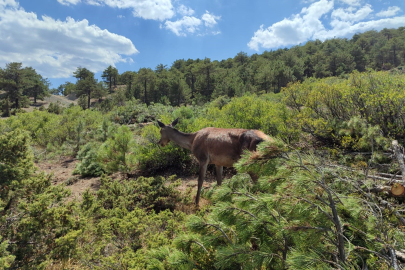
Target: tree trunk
208,82
145,97
192,86
400,157
88,99
7,107
396,190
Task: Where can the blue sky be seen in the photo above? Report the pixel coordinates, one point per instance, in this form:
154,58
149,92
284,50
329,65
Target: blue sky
57,36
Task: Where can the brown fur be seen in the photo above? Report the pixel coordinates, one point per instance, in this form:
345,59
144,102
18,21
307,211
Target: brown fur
219,146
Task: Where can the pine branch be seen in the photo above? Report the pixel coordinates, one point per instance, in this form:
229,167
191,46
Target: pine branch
219,229
201,245
252,215
245,194
317,206
297,228
374,252
243,211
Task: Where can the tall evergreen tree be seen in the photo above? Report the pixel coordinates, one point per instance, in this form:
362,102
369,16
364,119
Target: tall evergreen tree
110,76
37,87
146,77
86,83
13,82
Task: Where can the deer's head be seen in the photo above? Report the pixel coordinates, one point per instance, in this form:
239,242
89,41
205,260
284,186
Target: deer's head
166,131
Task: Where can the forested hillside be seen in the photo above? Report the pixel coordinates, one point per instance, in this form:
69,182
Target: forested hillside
330,189
202,80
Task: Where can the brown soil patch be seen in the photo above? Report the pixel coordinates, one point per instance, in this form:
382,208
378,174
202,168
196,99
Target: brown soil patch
62,171
64,101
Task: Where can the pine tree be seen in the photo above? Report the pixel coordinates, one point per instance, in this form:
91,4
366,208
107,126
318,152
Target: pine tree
86,84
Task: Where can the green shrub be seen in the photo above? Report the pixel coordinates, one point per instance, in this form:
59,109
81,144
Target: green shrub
153,158
157,193
55,108
266,113
136,111
129,217
89,165
5,258
116,153
324,107
16,160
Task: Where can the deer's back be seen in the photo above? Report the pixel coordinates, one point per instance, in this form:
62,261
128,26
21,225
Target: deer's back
224,146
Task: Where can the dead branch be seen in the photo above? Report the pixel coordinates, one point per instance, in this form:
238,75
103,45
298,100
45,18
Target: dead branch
394,261
390,180
401,255
391,191
391,208
400,156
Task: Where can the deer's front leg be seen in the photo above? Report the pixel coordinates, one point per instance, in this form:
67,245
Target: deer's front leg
201,177
219,170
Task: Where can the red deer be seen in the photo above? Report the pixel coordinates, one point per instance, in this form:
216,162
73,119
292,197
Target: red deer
218,146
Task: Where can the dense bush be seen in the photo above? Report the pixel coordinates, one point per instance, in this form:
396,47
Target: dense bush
152,158
116,152
325,108
265,112
90,164
55,108
64,133
6,259
302,214
16,162
135,111
35,219
128,218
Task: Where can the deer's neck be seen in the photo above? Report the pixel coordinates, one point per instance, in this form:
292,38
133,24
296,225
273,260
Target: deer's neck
182,139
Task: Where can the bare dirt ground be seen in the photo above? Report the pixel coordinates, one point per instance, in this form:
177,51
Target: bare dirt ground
62,171
64,101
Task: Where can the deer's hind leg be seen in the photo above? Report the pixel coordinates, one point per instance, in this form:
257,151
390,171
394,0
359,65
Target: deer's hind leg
201,177
219,170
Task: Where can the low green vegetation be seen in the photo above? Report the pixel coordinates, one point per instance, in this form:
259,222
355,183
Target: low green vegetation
323,198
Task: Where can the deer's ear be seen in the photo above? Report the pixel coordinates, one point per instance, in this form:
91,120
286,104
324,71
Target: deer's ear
161,124
174,122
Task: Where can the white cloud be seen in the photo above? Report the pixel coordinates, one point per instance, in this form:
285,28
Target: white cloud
69,2
351,2
307,25
161,10
10,3
185,11
209,19
346,29
145,9
294,30
391,11
349,14
56,48
183,26
193,25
